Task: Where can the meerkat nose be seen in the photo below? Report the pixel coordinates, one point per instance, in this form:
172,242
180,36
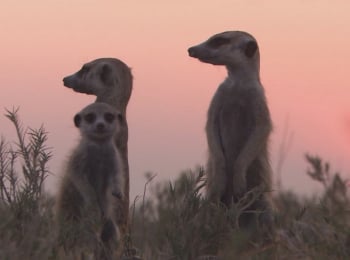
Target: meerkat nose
192,52
67,81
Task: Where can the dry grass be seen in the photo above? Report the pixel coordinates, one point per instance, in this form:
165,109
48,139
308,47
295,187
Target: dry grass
171,220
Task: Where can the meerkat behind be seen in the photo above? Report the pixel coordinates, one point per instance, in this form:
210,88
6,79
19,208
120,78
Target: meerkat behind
94,179
110,80
238,124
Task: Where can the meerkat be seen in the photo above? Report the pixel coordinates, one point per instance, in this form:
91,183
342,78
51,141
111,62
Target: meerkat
110,80
94,177
238,121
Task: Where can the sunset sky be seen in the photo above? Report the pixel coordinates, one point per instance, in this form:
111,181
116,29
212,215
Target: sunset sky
305,66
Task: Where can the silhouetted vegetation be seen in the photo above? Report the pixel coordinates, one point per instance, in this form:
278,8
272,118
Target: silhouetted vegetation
172,220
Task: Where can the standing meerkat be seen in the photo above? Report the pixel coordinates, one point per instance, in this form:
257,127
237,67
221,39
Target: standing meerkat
238,124
110,80
93,181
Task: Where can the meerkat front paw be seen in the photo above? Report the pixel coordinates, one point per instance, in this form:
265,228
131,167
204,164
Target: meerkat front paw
118,194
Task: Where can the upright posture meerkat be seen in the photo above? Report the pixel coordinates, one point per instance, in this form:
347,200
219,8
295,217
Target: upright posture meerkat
94,180
239,123
110,80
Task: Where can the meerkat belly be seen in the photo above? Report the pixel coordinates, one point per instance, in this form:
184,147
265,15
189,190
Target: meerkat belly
236,122
230,121
101,164
213,122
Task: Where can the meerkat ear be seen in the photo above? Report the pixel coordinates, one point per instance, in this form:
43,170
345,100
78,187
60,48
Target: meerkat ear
250,48
77,120
106,74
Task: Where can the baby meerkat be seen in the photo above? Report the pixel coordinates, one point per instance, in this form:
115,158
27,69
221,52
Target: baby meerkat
93,178
238,123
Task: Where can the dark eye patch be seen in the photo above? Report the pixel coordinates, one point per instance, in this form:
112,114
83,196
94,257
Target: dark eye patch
90,118
218,42
77,120
83,70
109,117
120,118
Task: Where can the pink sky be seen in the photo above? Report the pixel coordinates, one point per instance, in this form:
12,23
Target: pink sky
305,61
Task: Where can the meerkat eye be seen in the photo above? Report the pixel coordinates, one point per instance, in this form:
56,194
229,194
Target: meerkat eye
218,42
109,117
90,118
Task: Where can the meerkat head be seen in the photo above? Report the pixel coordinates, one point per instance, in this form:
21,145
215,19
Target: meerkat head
102,77
98,121
232,48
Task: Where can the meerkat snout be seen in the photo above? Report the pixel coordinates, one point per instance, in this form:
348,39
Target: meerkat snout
198,52
67,81
100,126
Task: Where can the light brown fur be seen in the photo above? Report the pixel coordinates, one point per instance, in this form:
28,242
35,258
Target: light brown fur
110,80
239,123
92,183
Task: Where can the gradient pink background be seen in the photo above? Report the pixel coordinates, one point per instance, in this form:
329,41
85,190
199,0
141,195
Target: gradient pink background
305,62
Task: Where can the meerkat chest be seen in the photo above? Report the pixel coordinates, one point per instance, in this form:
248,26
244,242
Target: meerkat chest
232,108
101,163
238,100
